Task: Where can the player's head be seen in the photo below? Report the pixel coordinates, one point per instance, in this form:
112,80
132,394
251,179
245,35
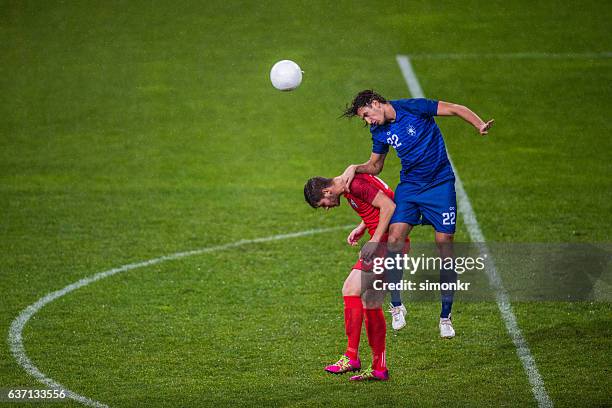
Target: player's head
369,106
322,192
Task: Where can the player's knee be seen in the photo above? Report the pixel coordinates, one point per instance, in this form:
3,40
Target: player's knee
395,242
372,299
444,238
371,304
444,242
368,304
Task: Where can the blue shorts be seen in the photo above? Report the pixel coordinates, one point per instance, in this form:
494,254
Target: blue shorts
431,204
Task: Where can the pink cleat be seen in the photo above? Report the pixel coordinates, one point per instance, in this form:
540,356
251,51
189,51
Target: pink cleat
371,375
344,365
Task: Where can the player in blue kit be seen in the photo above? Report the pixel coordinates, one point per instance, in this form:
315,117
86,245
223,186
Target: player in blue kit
426,193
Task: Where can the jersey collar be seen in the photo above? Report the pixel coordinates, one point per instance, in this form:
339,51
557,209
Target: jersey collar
399,113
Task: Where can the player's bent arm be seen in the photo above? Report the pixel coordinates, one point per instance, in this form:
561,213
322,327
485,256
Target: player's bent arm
465,113
373,166
387,207
356,234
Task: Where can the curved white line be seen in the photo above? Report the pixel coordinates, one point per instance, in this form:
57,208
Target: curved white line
15,338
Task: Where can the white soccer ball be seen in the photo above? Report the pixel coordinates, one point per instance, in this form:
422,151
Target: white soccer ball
286,75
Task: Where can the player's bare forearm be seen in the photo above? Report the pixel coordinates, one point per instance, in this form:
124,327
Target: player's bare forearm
368,168
365,168
465,113
373,166
387,208
383,223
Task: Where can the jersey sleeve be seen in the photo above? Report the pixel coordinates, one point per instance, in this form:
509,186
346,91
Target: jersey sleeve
420,106
378,147
363,190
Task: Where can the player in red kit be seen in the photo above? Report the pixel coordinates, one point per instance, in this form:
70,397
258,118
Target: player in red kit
372,199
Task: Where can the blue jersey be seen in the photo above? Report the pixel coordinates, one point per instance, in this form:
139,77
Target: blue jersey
418,141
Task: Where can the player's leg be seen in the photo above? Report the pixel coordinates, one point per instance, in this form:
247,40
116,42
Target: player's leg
438,206
353,319
353,312
395,245
398,232
444,243
376,329
405,216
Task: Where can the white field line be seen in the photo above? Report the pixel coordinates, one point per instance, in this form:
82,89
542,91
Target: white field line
15,337
476,235
516,55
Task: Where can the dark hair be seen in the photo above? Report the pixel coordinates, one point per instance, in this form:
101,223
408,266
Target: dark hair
313,190
363,98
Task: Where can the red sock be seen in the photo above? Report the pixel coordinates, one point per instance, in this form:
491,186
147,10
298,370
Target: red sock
353,316
376,327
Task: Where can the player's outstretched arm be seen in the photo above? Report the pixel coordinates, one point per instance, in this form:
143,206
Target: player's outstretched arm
453,109
373,166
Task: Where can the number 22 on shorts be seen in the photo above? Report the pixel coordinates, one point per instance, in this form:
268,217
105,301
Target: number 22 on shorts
448,218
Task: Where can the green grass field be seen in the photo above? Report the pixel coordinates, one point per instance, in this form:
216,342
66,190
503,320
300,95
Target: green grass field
133,130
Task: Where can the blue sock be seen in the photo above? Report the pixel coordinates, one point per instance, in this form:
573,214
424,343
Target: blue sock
447,276
447,306
395,275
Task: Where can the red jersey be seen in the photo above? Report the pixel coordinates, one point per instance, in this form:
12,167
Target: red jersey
364,188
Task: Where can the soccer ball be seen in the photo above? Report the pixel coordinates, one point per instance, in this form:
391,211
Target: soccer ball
286,75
